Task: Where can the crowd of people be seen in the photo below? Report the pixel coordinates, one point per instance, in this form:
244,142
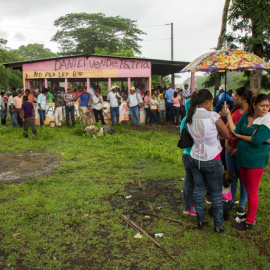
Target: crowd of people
164,104
230,143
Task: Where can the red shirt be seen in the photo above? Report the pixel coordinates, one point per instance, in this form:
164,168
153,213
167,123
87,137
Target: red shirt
235,117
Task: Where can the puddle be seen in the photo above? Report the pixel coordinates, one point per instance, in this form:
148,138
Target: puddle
16,168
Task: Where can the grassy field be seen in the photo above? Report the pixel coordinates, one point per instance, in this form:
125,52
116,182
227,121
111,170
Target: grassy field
66,220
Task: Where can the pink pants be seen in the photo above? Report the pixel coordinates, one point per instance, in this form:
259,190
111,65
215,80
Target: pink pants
251,179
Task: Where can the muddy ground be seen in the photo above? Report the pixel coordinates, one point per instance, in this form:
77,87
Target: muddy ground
20,167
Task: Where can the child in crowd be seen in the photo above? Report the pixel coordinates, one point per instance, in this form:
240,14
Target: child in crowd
146,100
153,108
161,110
228,178
97,106
58,110
189,182
28,115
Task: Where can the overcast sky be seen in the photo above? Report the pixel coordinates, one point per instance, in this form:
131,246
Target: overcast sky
196,23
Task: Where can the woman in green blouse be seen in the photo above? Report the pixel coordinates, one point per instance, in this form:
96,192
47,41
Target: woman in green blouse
252,130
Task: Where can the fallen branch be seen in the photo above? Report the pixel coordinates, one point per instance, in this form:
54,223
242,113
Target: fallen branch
265,247
136,227
106,198
180,234
141,230
151,207
171,219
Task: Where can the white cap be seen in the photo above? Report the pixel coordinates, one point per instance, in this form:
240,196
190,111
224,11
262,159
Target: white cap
114,86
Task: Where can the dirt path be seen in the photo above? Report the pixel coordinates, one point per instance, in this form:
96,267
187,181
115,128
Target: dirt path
19,167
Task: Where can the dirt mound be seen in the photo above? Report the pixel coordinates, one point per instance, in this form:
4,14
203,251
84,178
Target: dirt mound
19,167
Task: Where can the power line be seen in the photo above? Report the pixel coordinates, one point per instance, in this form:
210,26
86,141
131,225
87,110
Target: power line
156,39
26,27
50,28
152,25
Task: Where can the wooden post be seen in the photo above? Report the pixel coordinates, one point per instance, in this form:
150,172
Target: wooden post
66,84
129,83
161,81
172,79
40,86
88,84
192,82
109,84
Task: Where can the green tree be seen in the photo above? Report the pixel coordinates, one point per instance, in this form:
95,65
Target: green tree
236,80
9,77
200,82
84,32
34,51
214,78
250,22
104,51
156,80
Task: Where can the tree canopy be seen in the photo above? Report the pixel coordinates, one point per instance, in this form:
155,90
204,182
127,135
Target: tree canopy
83,33
9,77
250,22
34,51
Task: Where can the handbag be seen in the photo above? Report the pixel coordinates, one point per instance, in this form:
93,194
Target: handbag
185,140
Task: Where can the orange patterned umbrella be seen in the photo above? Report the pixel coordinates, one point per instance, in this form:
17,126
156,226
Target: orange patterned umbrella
227,60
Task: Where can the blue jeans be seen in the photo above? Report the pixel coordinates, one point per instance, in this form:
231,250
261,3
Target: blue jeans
14,119
154,116
135,111
3,117
147,114
175,115
162,114
208,173
42,116
70,112
116,111
189,184
232,167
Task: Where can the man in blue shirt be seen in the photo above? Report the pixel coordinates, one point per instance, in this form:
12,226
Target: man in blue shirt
169,103
85,99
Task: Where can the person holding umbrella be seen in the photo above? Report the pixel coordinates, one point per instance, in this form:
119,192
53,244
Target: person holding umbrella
242,100
253,132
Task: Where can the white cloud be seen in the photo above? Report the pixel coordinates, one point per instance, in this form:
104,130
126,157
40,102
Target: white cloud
196,23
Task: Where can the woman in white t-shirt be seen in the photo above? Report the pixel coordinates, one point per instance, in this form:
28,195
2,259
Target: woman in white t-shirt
204,126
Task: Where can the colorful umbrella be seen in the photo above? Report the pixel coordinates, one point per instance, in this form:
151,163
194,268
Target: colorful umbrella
227,60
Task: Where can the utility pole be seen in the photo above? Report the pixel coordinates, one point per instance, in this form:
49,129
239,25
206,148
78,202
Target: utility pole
172,79
172,41
172,76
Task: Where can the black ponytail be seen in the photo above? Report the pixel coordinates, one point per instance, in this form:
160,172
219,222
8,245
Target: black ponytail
245,93
197,98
